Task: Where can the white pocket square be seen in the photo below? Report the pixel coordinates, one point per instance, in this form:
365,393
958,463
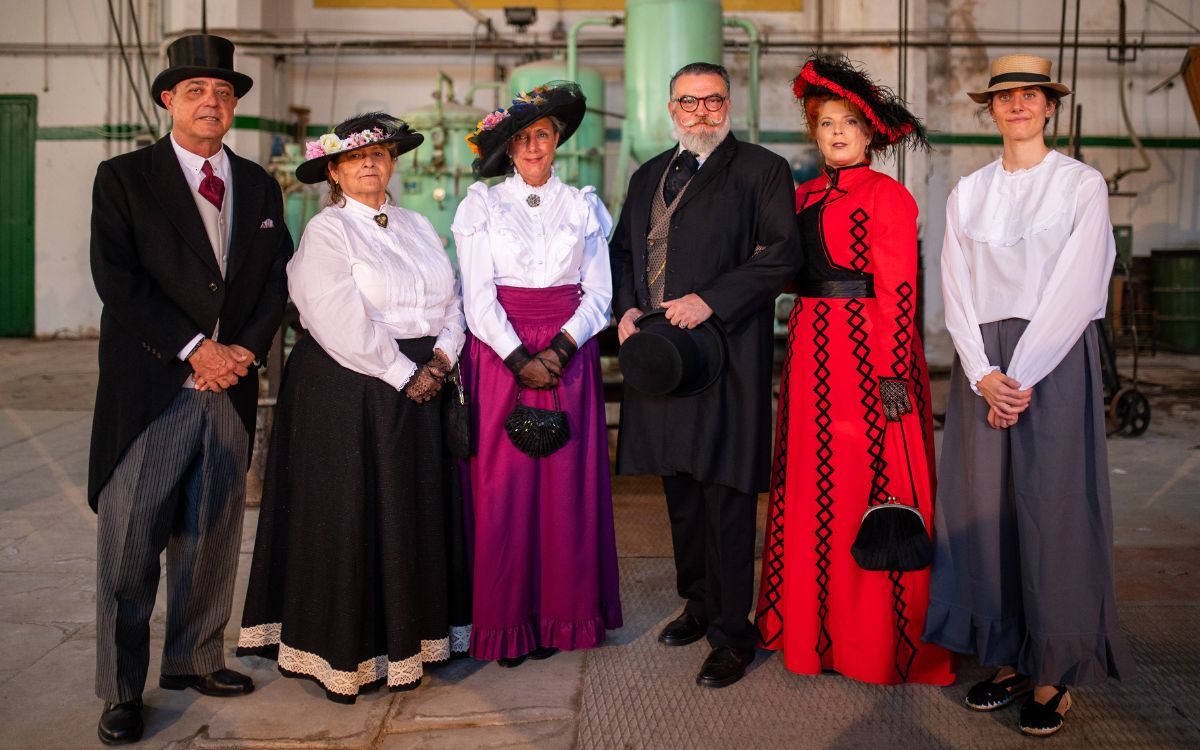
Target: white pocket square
267,224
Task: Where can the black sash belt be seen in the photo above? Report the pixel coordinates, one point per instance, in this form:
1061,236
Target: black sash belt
837,289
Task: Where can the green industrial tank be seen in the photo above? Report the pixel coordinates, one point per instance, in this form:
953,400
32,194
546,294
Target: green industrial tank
581,160
661,36
434,178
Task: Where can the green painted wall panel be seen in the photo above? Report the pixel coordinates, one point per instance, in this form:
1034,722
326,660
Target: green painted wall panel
18,133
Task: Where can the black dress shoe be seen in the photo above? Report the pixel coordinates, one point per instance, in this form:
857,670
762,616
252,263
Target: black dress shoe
683,630
724,666
514,661
543,652
222,684
121,723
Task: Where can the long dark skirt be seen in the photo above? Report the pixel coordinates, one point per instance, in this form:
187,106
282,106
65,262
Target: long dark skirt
359,574
1023,569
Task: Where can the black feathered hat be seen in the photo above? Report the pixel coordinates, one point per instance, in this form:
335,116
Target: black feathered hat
894,125
560,99
358,131
199,56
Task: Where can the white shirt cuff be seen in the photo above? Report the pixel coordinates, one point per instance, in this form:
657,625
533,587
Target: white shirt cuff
980,376
399,374
446,344
187,348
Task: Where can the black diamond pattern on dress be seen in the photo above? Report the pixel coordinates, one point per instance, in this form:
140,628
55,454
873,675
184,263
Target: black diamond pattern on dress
872,415
824,470
772,578
906,650
859,232
904,324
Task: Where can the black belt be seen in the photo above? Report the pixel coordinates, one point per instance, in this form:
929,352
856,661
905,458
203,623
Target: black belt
845,289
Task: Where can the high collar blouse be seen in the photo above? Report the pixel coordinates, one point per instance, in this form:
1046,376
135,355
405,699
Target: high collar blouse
502,240
1034,244
359,287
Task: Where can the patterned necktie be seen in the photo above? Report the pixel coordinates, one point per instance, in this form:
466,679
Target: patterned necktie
212,187
682,169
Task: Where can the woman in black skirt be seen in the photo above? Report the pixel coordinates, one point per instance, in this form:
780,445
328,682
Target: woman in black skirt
1023,571
359,573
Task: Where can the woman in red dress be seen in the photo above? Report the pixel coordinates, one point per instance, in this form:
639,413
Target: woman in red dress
837,452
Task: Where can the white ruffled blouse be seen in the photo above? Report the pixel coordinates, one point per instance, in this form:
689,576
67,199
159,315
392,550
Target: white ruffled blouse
504,241
1034,244
359,287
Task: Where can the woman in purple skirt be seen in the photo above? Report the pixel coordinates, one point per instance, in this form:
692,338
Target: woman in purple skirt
536,285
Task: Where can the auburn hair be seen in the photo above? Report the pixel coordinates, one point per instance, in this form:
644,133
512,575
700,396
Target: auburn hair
812,111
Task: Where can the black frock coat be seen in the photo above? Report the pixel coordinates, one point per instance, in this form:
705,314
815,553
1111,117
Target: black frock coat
159,282
741,198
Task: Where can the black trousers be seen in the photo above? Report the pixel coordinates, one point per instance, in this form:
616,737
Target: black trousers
712,531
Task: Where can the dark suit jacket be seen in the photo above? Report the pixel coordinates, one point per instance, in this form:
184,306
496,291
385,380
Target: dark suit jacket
160,285
742,197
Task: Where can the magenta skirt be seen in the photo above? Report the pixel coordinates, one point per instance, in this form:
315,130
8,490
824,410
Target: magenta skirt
544,554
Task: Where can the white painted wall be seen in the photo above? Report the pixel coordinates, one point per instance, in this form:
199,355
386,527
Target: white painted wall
82,91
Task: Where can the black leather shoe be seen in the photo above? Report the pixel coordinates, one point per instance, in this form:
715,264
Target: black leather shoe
221,684
683,630
514,661
121,723
543,652
724,666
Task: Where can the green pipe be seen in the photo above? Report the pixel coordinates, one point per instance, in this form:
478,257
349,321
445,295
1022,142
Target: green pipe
444,82
755,52
620,181
573,41
497,85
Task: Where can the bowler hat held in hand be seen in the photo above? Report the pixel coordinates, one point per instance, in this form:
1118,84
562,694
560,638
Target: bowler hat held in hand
661,359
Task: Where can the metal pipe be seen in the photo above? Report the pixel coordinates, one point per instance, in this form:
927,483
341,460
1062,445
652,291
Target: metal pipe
479,17
496,85
573,41
752,105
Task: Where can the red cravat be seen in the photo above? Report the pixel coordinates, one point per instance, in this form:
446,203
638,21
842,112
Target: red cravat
212,187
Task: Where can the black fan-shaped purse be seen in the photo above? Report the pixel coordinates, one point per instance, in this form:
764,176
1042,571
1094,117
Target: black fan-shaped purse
537,432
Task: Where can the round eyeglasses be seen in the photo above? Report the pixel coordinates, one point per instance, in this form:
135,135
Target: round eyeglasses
712,102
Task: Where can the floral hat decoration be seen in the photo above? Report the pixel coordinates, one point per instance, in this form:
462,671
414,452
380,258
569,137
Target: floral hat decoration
489,141
894,126
356,132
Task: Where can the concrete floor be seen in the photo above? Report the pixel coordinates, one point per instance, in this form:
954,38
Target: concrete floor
631,692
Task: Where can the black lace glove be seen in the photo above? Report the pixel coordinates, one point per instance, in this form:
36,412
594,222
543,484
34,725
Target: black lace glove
893,392
424,384
531,372
562,347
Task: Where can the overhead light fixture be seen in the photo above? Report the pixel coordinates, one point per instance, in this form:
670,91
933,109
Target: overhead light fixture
520,16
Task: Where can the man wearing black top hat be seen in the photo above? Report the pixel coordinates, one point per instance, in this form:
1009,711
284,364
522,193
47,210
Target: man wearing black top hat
706,240
188,255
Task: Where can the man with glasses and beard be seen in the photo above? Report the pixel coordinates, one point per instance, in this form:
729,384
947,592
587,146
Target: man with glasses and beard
708,231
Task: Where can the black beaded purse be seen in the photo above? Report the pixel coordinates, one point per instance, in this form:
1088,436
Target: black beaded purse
537,432
456,417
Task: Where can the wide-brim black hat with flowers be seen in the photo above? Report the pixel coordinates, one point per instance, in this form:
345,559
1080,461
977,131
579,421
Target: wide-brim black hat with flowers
199,56
560,99
370,129
894,125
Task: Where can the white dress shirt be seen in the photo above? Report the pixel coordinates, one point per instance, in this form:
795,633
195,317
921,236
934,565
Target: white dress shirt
503,241
359,286
192,165
1034,244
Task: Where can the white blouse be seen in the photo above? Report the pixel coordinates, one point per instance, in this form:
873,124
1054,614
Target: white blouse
504,241
359,287
1034,244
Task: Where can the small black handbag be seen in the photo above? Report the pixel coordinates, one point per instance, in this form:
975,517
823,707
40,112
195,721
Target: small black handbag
892,535
537,432
456,417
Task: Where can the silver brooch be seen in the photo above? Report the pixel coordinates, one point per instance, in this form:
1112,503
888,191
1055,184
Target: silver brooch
534,200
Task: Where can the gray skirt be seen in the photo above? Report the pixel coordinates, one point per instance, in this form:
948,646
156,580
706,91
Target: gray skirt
1023,568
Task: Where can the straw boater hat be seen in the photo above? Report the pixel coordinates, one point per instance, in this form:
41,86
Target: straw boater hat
1018,71
199,56
355,133
894,126
489,141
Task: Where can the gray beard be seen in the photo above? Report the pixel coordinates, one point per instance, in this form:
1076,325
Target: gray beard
702,144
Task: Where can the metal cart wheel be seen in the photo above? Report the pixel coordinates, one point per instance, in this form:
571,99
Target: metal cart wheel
1129,412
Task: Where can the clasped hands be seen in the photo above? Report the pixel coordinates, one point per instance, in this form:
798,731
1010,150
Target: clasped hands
1004,398
688,311
543,370
427,381
216,366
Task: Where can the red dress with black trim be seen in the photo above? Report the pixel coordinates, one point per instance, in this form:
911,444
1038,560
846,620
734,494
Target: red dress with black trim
836,454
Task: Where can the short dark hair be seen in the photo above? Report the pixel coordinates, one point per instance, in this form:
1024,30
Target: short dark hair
701,69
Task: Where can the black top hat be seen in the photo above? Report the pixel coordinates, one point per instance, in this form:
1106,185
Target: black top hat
662,359
561,99
199,56
355,133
